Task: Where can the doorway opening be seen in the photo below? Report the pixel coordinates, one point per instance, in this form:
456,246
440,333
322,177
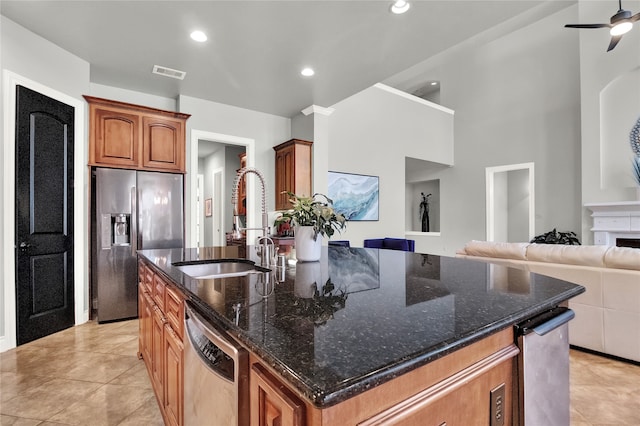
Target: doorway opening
510,195
80,212
215,157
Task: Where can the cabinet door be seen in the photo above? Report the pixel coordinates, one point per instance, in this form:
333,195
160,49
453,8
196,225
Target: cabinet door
157,353
293,170
141,323
115,137
159,287
242,188
285,179
146,329
174,309
272,403
173,381
163,143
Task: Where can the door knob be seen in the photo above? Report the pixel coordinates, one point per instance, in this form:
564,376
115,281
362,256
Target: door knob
24,245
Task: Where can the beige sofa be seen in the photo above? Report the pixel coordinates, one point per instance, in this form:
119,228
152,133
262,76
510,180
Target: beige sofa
608,313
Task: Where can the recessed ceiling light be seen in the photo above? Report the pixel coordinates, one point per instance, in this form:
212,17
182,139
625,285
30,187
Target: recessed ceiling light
400,6
307,72
434,83
199,36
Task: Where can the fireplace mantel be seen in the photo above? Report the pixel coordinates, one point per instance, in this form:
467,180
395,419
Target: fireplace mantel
614,220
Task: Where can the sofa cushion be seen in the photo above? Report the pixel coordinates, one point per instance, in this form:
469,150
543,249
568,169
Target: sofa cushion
500,250
622,258
572,255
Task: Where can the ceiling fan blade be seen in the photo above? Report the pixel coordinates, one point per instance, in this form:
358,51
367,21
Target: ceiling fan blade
614,42
635,17
588,26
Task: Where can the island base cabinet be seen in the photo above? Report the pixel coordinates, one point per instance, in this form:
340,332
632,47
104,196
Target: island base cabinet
272,403
161,308
472,386
463,399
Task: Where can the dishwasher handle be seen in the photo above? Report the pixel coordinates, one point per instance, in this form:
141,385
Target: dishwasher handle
546,321
217,337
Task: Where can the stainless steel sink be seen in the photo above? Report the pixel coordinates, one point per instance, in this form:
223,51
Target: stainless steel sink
202,271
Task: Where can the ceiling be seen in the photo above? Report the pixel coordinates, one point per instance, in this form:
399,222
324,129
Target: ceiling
256,49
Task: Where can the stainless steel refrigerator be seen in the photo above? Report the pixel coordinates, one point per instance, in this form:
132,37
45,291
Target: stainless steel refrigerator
132,210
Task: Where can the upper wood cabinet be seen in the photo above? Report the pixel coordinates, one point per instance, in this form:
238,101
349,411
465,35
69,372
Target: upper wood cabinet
242,187
293,170
135,137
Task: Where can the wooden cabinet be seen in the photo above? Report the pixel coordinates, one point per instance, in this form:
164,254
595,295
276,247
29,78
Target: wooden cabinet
242,188
293,170
173,383
161,314
473,384
272,403
135,137
157,352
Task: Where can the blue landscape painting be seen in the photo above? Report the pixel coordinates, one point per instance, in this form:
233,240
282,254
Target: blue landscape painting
355,196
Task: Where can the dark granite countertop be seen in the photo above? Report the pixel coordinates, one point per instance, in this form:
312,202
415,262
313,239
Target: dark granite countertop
360,317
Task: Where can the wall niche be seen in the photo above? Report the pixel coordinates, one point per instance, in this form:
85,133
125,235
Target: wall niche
423,206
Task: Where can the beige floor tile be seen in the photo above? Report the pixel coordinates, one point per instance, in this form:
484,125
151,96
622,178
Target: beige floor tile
99,367
135,376
18,421
604,391
13,384
47,399
108,405
148,415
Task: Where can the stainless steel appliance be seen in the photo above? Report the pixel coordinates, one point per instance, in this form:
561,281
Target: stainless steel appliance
543,371
216,382
132,211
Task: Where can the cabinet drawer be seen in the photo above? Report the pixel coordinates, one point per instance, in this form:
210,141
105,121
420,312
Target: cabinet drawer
148,279
174,309
159,287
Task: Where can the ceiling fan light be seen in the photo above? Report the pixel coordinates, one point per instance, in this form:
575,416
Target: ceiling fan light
621,28
400,6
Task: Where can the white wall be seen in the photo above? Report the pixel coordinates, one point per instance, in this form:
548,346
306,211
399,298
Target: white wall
265,130
603,177
372,133
517,100
211,163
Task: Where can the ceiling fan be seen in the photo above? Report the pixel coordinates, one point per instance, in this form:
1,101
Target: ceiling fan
620,24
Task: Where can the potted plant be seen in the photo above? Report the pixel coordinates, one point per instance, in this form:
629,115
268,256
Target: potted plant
311,216
555,237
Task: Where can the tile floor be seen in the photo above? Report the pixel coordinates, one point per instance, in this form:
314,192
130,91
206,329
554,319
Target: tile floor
85,375
90,375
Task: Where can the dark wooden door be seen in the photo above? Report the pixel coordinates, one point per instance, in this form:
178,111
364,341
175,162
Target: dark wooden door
44,215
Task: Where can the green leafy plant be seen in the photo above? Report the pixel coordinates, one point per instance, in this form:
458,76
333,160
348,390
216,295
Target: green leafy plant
315,211
555,237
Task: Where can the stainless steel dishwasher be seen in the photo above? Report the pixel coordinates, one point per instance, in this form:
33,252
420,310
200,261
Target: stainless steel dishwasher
216,382
543,372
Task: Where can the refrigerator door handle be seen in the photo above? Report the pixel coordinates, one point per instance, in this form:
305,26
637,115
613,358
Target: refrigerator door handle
134,221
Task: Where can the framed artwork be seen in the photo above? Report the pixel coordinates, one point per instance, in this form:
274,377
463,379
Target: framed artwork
353,195
207,207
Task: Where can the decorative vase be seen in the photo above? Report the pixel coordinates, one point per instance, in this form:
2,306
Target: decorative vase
307,249
308,277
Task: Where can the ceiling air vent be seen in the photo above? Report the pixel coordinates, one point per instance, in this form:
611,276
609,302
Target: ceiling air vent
168,72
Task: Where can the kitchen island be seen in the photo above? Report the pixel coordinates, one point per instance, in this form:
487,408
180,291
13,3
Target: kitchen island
369,336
